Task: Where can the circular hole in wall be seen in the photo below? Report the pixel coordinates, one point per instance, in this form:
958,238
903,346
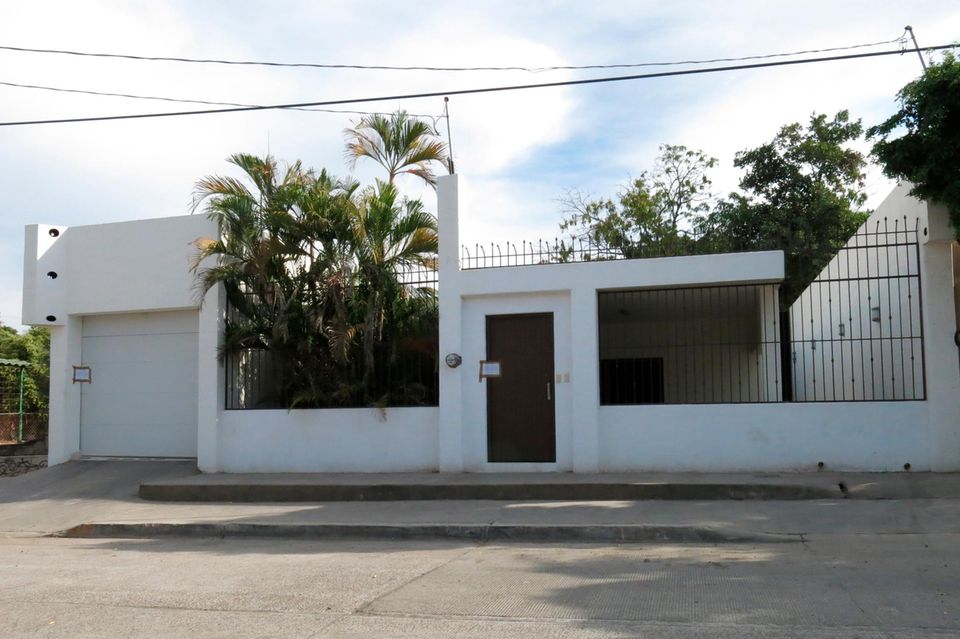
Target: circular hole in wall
907,466
54,233
52,275
820,465
51,318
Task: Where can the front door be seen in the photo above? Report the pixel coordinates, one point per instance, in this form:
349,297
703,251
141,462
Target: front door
521,426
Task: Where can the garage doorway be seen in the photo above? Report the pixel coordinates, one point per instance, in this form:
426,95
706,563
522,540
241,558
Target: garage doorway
521,420
142,399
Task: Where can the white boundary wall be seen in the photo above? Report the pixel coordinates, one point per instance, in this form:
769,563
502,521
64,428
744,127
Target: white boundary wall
765,437
704,437
330,440
126,267
142,267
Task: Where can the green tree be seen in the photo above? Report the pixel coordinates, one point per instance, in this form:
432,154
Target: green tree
390,236
928,152
34,347
312,268
399,143
802,193
654,215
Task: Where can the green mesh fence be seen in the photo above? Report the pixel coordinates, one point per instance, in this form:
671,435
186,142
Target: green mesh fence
17,422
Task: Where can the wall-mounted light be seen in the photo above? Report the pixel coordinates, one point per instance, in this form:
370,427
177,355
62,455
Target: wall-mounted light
453,360
875,314
842,329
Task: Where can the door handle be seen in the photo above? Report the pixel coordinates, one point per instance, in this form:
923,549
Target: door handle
548,392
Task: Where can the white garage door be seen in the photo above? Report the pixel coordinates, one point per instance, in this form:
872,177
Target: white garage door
143,397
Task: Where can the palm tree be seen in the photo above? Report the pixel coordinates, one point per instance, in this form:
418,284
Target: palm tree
400,144
313,271
391,236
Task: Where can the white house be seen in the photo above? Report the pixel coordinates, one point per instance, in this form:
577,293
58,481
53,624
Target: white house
655,364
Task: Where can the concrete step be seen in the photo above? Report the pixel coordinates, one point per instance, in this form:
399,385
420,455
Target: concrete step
247,490
585,533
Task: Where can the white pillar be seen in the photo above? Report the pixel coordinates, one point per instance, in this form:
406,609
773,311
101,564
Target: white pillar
939,328
210,380
450,445
63,439
585,380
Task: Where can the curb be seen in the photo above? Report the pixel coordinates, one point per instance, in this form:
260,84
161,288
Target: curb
464,532
497,492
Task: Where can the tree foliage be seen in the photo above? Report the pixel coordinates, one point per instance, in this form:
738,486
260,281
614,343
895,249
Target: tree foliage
313,268
928,152
801,193
400,144
34,347
653,216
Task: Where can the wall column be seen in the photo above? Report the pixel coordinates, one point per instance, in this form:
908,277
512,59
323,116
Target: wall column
940,350
210,380
450,448
63,439
585,380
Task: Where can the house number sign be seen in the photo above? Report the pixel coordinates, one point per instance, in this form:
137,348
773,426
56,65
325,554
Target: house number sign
489,368
82,375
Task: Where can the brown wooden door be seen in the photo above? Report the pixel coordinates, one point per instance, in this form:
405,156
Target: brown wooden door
521,426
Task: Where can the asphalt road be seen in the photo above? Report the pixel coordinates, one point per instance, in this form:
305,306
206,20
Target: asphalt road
838,586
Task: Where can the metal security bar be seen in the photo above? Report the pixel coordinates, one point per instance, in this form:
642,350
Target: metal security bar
701,345
530,253
857,330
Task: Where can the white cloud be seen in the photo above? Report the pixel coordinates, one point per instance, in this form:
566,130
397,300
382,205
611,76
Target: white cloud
508,146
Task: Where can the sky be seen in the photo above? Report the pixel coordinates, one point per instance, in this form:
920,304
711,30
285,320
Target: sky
517,153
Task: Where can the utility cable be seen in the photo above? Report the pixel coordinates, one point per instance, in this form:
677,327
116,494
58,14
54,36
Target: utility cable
494,89
190,101
384,67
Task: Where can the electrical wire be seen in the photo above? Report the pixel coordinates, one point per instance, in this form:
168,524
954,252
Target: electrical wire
494,89
383,67
191,101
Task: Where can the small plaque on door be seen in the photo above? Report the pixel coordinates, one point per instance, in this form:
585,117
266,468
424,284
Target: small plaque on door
82,375
489,368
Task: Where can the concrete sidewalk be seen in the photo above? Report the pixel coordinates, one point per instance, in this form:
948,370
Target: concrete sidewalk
94,498
549,486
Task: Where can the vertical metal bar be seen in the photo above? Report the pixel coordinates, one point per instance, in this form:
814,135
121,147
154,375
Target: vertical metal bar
853,375
778,381
831,325
736,351
903,367
804,343
923,347
881,240
701,347
873,381
20,409
910,307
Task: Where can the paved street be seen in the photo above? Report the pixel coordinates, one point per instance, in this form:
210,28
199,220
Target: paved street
842,586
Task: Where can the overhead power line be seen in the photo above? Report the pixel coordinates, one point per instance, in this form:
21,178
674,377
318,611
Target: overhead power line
190,101
385,67
494,89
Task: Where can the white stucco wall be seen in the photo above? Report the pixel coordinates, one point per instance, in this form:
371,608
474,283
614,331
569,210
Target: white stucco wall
143,267
328,440
120,268
569,292
878,436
